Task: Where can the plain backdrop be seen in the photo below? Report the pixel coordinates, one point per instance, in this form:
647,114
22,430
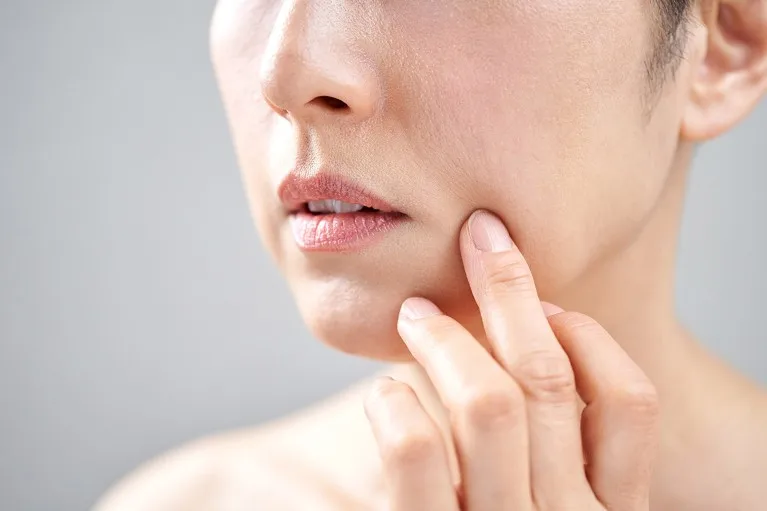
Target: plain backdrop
137,308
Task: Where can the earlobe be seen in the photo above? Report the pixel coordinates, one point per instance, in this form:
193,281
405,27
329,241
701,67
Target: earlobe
729,68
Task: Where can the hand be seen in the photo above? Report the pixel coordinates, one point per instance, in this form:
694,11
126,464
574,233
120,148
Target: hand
514,412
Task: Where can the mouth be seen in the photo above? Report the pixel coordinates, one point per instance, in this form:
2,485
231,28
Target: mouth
329,214
336,207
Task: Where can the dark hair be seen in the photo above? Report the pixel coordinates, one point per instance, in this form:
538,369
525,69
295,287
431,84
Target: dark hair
670,36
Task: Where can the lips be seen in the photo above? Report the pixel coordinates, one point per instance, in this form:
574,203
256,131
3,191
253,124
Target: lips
329,231
296,191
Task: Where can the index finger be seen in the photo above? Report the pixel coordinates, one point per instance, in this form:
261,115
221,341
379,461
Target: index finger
503,287
523,343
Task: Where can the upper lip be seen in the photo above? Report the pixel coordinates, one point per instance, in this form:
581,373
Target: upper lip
296,189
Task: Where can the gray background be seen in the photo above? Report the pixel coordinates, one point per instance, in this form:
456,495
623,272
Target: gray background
137,310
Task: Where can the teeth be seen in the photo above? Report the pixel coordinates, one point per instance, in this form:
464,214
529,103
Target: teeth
333,206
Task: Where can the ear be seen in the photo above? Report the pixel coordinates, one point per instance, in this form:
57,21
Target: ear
731,74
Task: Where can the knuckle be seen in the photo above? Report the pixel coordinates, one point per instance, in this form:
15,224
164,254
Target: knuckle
486,407
508,272
411,447
640,401
546,376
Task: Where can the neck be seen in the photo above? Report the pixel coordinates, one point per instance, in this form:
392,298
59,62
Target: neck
632,292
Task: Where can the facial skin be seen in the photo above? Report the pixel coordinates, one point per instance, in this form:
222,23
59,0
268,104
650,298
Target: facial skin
537,111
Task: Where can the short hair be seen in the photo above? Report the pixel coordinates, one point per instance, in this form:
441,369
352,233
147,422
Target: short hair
670,34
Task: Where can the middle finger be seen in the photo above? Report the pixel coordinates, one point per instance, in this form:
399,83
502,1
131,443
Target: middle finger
487,408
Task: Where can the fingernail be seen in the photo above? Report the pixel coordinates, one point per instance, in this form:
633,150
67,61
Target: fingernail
550,309
417,308
488,232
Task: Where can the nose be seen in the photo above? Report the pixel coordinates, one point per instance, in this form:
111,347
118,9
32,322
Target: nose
311,69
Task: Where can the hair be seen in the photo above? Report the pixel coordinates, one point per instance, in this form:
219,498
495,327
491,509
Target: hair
670,32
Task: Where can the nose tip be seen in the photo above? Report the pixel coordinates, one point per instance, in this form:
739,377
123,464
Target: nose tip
312,66
306,91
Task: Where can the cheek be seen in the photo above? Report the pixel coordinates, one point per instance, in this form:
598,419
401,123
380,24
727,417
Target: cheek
539,117
236,50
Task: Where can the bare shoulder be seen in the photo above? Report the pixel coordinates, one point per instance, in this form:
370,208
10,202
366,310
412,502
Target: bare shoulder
231,472
312,460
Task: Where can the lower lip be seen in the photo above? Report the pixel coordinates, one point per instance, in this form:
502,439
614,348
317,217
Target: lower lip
342,232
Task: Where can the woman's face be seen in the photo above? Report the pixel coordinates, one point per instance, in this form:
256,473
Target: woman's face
535,110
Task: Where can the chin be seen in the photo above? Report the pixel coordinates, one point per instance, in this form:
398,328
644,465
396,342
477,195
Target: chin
356,321
359,316
350,301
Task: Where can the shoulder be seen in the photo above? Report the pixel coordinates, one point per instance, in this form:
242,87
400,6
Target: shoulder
235,471
320,458
189,477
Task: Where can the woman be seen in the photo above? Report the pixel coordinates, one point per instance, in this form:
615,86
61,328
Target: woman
486,193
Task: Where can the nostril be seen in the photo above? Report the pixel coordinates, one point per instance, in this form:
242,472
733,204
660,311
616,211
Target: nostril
331,103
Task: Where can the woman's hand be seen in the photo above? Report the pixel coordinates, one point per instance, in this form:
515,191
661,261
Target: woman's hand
514,414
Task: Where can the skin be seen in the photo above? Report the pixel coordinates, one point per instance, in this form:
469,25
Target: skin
538,112
523,400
